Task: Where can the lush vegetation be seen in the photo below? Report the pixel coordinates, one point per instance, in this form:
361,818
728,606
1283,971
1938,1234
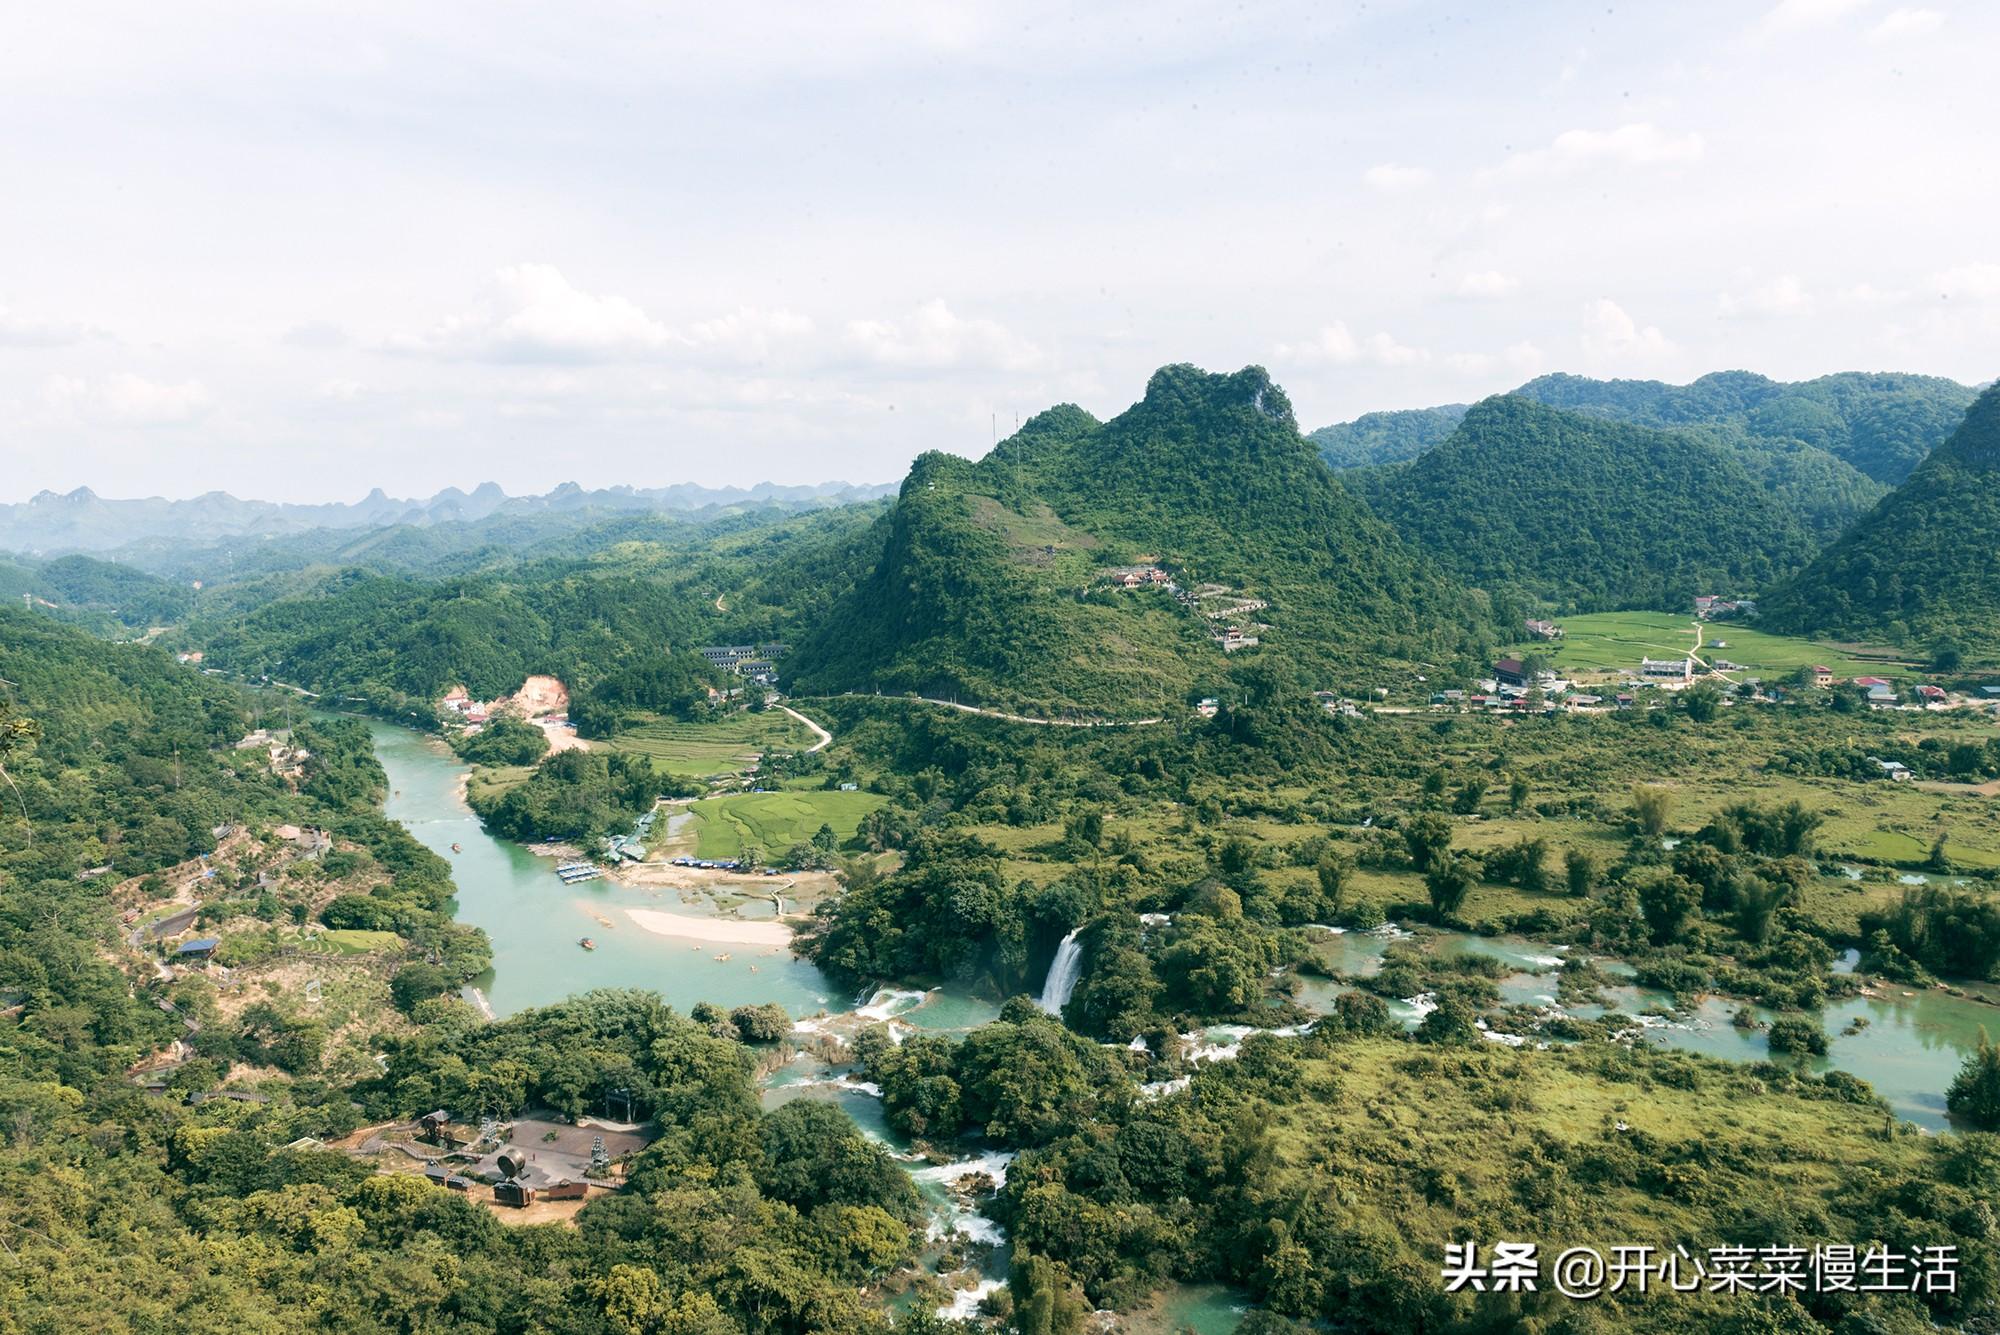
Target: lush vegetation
1386,438
1882,425
578,795
1919,569
1582,514
990,582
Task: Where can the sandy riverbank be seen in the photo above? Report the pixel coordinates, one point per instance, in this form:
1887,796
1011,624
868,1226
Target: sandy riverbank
728,931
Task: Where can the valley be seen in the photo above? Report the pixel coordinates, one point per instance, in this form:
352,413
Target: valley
1027,822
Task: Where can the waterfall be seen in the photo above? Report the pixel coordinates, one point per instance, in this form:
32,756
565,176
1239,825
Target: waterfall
1063,971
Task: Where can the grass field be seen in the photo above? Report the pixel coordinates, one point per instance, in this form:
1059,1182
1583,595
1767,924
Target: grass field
699,750
773,822
1614,641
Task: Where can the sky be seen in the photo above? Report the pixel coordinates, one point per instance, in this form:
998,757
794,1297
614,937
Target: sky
298,251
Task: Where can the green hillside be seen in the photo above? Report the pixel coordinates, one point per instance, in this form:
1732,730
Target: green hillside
1924,567
1386,438
992,584
1880,424
1587,514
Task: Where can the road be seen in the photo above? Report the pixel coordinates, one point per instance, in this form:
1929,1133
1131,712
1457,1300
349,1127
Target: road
1036,722
825,737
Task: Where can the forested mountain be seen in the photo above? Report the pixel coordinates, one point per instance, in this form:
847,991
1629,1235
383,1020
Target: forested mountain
1588,514
1386,438
102,595
403,643
992,580
82,521
1881,424
1825,449
1924,566
591,606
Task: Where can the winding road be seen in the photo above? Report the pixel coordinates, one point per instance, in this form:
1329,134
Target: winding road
825,737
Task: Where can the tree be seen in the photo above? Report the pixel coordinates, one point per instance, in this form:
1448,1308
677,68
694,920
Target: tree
1426,836
1334,871
1518,792
1795,1033
1579,871
1046,1300
1701,701
1651,806
1448,881
1667,902
1974,1096
1470,794
15,735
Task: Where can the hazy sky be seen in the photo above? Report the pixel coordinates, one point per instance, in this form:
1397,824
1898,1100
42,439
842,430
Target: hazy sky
295,251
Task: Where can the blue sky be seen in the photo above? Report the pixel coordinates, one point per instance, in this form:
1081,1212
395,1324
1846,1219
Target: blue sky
298,251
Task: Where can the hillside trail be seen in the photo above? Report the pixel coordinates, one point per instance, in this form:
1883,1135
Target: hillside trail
1035,722
825,737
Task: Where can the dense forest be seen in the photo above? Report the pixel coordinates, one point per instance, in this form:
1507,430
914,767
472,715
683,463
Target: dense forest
1881,424
1921,568
1875,427
1584,514
990,583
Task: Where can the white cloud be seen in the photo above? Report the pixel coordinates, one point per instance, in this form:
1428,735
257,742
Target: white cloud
1639,144
1523,359
1902,23
750,333
1783,295
340,390
1790,16
1393,178
1867,294
933,336
1337,344
1969,282
1489,283
1611,334
21,331
531,313
127,400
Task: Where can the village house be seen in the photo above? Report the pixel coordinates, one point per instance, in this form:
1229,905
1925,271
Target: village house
1511,672
1932,695
1895,770
1679,669
1544,630
1822,677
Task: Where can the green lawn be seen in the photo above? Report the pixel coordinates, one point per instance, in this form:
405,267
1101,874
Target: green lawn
773,822
726,746
1611,641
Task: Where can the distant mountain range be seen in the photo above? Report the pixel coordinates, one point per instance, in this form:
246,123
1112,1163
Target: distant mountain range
50,523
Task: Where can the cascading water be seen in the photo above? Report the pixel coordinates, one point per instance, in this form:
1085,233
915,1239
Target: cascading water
1063,972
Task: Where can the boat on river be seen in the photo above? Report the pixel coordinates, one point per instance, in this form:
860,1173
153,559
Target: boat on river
586,943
